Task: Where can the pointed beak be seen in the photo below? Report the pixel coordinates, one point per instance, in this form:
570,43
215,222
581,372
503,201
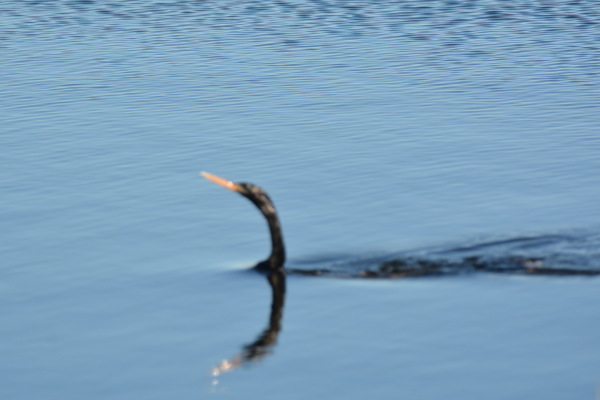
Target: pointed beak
221,181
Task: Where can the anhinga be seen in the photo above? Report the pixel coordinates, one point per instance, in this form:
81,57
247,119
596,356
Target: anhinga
261,199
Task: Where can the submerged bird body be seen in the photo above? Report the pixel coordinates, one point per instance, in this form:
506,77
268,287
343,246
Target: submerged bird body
260,198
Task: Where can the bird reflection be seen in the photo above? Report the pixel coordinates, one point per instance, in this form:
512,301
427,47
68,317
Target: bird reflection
264,343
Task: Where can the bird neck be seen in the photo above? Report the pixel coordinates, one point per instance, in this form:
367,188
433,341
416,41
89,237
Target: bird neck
277,257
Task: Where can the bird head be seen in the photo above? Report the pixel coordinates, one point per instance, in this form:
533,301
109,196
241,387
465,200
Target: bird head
254,193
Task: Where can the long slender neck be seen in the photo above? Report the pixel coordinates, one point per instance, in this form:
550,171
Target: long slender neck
262,201
277,257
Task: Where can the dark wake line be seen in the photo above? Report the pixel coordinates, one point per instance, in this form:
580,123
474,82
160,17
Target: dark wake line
546,255
405,268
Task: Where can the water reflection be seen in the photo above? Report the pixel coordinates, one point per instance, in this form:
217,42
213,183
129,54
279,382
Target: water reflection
264,343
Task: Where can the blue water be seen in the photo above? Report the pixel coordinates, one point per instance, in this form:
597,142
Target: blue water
379,128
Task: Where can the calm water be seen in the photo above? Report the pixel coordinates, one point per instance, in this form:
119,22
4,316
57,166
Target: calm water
379,128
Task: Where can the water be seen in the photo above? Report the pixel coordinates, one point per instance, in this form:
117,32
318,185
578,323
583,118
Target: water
379,128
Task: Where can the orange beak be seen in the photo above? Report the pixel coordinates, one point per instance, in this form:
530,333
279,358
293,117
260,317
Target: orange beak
221,181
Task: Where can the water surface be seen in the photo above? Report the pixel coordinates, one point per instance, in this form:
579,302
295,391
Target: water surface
381,129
